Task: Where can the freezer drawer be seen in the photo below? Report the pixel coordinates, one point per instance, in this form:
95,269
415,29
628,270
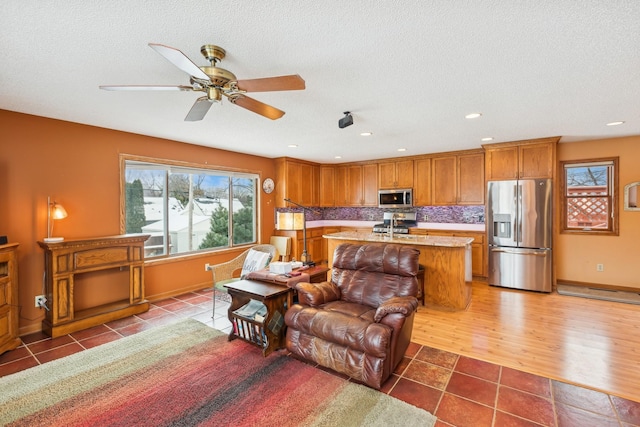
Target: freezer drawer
528,269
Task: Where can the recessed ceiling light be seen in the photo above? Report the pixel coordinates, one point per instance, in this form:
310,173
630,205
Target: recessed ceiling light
292,146
614,123
337,157
487,139
366,134
472,116
402,149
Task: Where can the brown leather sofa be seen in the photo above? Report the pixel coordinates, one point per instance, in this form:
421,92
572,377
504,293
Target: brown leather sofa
360,322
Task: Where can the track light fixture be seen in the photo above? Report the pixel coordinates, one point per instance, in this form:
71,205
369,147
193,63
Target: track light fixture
347,120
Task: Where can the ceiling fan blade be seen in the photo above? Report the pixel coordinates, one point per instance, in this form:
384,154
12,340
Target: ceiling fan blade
267,84
198,110
257,107
144,87
180,60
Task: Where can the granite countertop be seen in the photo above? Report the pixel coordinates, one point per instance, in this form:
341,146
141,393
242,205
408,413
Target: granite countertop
404,239
424,225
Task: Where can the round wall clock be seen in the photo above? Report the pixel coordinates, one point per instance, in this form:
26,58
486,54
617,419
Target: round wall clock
268,185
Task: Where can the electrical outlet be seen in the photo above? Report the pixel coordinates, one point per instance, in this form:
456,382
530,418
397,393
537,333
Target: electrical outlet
599,267
207,267
40,301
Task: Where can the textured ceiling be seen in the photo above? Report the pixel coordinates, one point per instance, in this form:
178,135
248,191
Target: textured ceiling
409,71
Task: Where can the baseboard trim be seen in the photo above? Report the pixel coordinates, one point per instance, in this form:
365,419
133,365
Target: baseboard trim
599,294
598,286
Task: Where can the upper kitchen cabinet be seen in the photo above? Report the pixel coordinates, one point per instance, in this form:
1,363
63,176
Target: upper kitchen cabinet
327,183
310,176
422,182
521,159
458,179
471,179
340,186
443,180
395,174
361,185
298,181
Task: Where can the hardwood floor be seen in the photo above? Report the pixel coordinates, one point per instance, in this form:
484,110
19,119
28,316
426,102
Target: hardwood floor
581,341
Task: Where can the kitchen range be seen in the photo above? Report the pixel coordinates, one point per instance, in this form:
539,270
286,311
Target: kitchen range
396,223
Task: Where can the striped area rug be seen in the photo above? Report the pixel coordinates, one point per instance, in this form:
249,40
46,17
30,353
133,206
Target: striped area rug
189,374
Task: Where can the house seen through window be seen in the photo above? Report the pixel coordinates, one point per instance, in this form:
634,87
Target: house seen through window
188,209
589,196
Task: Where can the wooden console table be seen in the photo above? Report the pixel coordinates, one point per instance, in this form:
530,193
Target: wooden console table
63,260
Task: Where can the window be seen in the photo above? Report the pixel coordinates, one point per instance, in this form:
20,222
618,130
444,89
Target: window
589,192
188,209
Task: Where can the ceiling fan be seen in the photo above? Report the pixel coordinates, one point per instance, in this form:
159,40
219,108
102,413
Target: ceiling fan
216,82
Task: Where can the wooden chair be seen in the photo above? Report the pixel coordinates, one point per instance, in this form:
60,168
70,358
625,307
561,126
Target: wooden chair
230,271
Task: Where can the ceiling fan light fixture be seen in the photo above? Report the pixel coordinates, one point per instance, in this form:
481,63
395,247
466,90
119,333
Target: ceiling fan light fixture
216,82
214,94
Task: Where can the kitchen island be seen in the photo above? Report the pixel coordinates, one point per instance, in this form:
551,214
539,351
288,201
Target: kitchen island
446,260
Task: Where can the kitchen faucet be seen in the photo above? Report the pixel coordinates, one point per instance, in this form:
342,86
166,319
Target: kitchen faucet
392,225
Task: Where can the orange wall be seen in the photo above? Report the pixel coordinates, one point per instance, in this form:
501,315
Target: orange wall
577,255
78,165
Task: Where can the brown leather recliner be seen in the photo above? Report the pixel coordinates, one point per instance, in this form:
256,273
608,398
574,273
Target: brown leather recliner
360,322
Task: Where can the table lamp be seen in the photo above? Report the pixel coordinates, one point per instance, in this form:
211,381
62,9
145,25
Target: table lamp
55,211
296,221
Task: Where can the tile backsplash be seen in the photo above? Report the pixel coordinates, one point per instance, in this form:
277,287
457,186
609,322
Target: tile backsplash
437,214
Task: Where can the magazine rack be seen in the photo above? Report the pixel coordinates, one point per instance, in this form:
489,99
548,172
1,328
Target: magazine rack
267,334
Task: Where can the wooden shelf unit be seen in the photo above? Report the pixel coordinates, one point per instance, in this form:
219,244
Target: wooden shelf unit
63,260
9,297
267,335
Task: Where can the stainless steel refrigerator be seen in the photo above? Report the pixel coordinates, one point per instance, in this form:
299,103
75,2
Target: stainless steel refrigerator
519,219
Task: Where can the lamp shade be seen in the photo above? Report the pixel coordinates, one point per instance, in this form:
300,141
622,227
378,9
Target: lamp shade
58,211
290,221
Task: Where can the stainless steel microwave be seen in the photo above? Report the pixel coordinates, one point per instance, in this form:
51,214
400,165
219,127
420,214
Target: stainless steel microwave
398,198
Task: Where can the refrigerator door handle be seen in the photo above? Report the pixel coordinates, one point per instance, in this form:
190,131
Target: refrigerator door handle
519,214
518,252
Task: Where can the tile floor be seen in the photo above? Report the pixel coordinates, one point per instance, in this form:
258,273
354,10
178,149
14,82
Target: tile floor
459,390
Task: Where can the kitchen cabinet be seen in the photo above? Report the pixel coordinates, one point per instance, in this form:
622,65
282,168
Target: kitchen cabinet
9,305
327,182
396,174
521,159
443,180
458,179
361,188
369,187
479,261
470,182
298,181
340,185
422,182
315,247
310,184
